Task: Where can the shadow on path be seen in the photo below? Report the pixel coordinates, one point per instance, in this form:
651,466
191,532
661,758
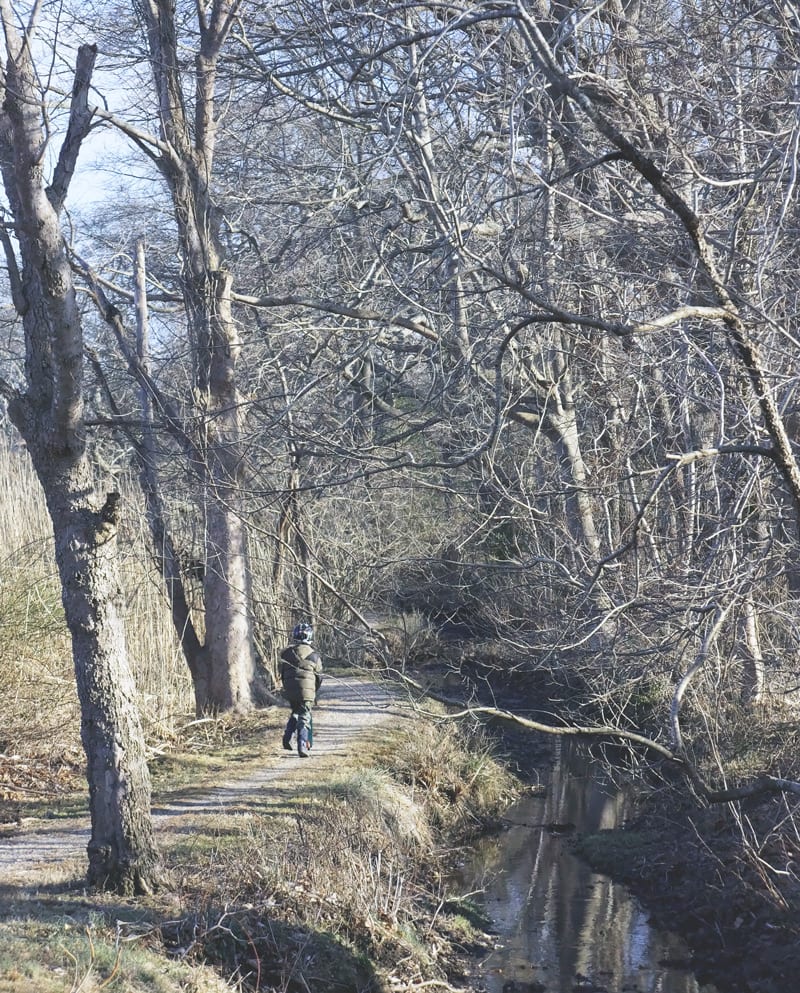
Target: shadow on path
347,709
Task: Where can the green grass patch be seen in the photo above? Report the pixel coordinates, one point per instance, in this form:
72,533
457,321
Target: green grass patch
61,946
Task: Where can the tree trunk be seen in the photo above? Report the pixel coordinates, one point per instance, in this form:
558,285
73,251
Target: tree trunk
228,651
564,433
49,415
753,688
227,676
122,854
163,545
229,680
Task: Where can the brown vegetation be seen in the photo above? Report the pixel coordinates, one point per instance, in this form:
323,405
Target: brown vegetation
465,331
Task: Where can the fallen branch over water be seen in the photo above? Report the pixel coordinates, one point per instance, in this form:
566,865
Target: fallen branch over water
763,785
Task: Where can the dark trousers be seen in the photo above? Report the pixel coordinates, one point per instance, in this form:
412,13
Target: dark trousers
300,718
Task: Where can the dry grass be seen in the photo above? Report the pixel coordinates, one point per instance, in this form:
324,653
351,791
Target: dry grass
81,950
451,771
336,880
39,711
345,876
377,802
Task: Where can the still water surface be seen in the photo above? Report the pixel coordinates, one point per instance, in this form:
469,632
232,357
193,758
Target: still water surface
562,928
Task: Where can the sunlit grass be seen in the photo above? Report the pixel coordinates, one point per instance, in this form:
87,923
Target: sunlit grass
352,855
334,873
77,949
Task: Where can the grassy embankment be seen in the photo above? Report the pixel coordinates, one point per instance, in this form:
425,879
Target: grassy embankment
331,882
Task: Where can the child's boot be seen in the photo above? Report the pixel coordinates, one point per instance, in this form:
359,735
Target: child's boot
291,726
302,743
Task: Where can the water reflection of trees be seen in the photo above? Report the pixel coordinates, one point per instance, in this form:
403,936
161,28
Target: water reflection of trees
558,920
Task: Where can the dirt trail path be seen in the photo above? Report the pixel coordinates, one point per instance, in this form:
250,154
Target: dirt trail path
348,708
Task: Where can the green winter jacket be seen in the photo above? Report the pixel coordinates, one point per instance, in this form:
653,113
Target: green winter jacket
301,673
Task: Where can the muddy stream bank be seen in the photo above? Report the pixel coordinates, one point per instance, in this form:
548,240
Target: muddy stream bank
560,927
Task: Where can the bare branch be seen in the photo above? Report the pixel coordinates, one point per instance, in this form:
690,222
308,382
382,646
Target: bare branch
80,119
675,317
761,786
721,615
509,717
329,307
114,320
744,344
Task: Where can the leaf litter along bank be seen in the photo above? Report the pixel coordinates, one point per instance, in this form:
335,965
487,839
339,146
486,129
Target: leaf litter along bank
688,867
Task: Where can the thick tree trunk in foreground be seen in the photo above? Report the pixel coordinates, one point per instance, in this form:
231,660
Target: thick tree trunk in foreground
49,415
122,853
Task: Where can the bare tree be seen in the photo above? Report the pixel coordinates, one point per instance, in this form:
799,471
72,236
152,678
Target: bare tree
49,413
459,279
225,674
573,245
204,423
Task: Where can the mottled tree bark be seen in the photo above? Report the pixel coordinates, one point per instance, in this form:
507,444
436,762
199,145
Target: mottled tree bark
122,853
49,414
225,676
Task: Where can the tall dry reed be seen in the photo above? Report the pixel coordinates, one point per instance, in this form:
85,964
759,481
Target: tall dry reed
38,707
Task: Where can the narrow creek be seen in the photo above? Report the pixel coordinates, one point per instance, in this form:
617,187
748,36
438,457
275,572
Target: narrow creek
560,927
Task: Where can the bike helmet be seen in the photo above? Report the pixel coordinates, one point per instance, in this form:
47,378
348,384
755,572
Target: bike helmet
303,632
